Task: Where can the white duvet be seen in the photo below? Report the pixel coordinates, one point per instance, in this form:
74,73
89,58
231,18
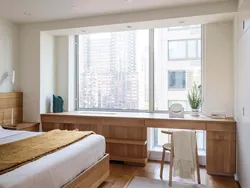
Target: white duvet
53,170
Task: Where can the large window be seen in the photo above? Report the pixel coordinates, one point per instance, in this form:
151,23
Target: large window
139,70
116,71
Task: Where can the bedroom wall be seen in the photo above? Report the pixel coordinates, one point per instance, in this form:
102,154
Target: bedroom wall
62,68
65,70
218,68
9,55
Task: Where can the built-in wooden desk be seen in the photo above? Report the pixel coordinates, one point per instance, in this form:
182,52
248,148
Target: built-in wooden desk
126,134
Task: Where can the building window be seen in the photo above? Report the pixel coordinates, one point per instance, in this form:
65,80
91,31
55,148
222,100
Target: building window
176,79
188,49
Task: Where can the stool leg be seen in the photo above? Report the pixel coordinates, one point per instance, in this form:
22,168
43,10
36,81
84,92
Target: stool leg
197,166
171,168
162,162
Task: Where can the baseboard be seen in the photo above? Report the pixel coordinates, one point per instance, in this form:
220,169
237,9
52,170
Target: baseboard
236,178
238,184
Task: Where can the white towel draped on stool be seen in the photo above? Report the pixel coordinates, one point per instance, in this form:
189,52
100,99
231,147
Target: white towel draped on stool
184,154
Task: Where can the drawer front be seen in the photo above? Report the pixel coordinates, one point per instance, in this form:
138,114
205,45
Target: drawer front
221,127
175,124
212,135
126,150
122,132
70,119
125,122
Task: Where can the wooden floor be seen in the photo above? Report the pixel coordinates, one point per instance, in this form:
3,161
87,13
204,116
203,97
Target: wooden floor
121,175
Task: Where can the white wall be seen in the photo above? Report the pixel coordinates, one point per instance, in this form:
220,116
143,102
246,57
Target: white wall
65,70
218,67
242,99
47,72
62,68
9,55
72,75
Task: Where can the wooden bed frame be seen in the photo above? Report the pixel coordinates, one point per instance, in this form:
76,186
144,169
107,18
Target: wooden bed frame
93,176
89,178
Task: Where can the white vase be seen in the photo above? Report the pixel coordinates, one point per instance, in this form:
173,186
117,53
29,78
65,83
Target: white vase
195,112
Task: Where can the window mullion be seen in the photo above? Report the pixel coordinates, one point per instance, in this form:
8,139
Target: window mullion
77,71
151,70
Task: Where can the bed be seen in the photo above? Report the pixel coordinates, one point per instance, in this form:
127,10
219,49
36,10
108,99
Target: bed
81,164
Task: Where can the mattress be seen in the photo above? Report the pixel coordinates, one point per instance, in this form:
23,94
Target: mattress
53,170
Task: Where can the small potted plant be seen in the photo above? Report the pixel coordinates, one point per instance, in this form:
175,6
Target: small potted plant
195,99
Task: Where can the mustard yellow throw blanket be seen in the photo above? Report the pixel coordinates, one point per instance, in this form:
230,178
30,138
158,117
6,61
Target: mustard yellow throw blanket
16,154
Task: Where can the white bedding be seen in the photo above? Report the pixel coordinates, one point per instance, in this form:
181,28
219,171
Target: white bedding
53,170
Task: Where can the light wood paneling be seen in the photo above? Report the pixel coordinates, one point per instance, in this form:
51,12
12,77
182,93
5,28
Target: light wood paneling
57,118
221,127
127,150
126,136
122,132
126,122
175,124
221,154
126,141
9,102
34,127
213,135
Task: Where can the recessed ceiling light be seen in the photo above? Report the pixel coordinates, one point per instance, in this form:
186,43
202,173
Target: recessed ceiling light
27,13
129,26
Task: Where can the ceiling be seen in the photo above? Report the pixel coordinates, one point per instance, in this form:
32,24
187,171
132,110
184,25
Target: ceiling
23,11
205,19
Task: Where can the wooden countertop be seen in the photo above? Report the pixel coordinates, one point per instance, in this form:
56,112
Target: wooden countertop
140,115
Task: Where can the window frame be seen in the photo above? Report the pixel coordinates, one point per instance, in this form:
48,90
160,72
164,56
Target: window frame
186,44
151,76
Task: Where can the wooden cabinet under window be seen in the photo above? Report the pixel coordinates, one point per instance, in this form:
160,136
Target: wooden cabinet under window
221,148
126,135
126,139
